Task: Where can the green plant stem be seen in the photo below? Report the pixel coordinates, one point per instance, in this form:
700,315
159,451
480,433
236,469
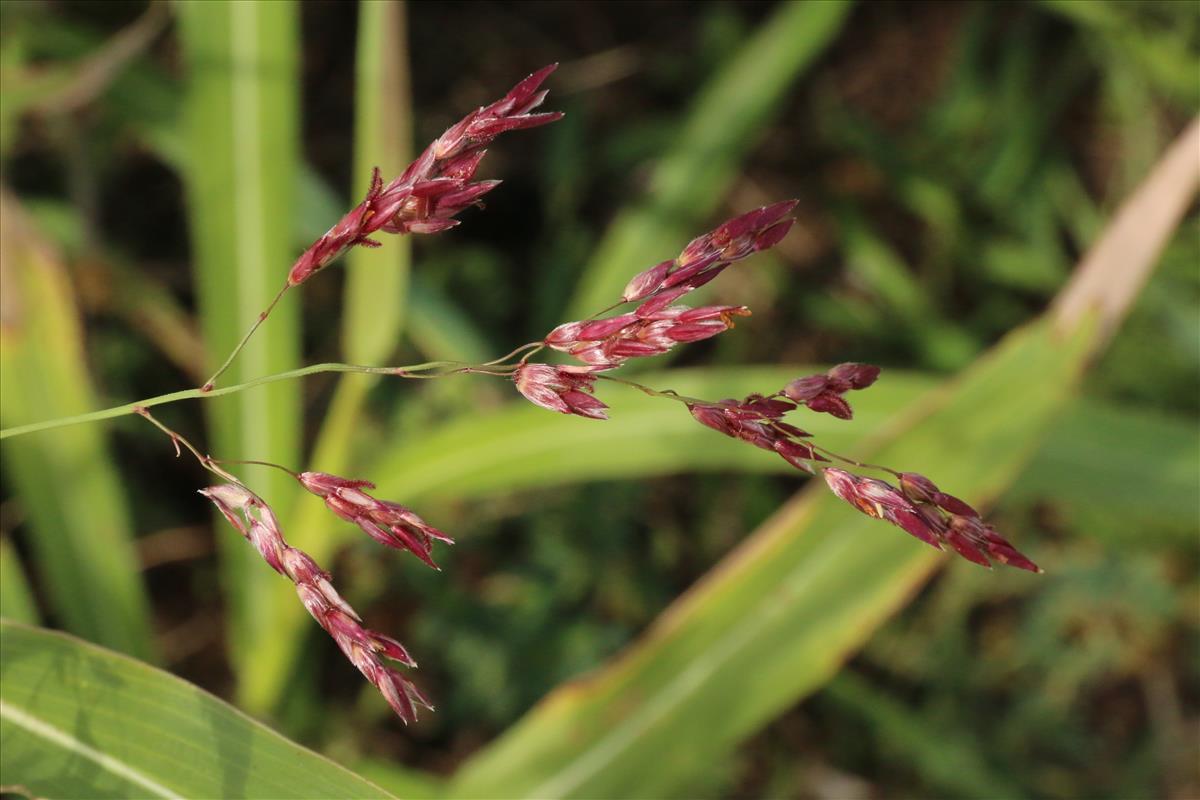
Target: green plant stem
669,394
533,347
262,317
409,371
208,462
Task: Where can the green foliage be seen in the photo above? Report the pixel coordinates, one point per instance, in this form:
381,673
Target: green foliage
78,720
16,599
71,489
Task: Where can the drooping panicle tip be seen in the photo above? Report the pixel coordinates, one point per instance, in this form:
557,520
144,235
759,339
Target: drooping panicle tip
433,188
921,510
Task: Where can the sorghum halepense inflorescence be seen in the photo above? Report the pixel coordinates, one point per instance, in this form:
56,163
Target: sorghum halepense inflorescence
250,516
425,199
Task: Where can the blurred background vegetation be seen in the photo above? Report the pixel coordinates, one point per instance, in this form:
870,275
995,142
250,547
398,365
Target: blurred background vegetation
952,161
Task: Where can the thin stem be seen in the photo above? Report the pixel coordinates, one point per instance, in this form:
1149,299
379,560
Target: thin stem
615,306
206,461
670,394
466,370
245,461
852,462
262,317
194,394
535,345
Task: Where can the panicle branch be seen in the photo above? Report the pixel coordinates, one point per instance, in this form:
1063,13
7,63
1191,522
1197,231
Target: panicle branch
918,506
366,649
250,516
658,323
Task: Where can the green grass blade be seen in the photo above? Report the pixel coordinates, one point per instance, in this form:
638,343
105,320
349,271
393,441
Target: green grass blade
377,279
139,300
16,598
79,529
690,180
81,721
779,616
948,759
1121,474
401,781
242,130
880,269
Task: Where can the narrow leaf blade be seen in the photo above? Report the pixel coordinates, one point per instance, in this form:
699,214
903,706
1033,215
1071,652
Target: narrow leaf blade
81,535
242,122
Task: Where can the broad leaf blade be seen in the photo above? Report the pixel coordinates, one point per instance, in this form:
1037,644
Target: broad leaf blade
80,721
